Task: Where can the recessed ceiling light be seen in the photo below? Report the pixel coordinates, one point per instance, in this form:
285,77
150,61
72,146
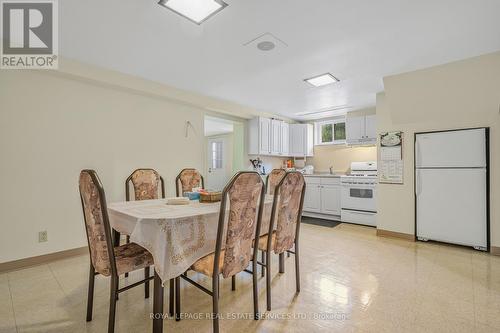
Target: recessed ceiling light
322,80
194,10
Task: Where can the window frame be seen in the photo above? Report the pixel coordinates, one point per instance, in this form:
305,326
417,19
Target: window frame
318,135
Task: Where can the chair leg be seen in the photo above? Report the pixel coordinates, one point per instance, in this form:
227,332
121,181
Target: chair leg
268,280
233,282
215,303
146,284
157,304
297,271
177,298
263,259
171,296
282,262
128,241
255,290
112,304
90,297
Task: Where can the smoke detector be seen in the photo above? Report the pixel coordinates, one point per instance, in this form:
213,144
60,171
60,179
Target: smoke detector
266,42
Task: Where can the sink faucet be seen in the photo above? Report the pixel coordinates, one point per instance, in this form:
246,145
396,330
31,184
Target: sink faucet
331,170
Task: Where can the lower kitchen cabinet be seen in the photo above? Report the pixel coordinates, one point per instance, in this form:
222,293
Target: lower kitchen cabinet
322,197
330,199
312,198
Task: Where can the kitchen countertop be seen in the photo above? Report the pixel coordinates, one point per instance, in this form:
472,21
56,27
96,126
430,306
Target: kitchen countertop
335,175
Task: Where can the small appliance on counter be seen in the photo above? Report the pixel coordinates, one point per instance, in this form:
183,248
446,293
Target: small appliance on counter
358,192
307,170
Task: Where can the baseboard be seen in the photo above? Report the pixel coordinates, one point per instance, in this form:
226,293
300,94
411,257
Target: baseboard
495,250
322,216
43,259
394,234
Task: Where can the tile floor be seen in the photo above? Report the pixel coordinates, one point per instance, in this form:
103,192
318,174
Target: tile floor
352,281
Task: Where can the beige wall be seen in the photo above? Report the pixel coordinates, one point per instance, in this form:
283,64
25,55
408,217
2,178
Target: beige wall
457,95
341,156
55,123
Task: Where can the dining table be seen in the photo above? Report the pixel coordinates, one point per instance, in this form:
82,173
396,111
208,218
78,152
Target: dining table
175,235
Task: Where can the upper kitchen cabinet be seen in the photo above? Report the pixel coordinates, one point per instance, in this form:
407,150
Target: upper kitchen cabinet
285,139
268,137
361,130
259,134
275,137
301,140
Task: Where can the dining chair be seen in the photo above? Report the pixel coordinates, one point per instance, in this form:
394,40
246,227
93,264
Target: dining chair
273,179
146,184
286,212
187,179
245,193
105,258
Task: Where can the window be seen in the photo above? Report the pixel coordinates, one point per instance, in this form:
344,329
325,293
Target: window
330,132
216,155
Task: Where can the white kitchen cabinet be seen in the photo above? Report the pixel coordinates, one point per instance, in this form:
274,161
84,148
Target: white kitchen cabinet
275,137
285,139
268,137
371,127
355,129
301,140
322,197
312,195
259,136
361,130
264,136
330,199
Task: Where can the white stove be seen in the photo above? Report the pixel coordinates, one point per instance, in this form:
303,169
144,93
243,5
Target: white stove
359,194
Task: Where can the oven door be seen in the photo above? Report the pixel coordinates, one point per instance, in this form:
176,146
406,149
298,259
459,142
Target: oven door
359,197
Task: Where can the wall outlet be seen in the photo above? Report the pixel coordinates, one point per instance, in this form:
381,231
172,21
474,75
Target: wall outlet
42,236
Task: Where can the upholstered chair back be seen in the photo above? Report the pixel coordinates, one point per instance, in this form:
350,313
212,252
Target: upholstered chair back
289,210
187,180
274,179
245,193
96,221
146,184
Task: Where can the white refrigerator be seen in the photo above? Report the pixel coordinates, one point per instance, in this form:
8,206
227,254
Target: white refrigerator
451,187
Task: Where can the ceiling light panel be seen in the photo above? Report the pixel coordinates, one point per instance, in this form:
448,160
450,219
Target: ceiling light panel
322,80
196,11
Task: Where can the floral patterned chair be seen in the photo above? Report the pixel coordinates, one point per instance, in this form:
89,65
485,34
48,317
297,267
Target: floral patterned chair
233,249
187,180
146,184
273,179
105,258
286,212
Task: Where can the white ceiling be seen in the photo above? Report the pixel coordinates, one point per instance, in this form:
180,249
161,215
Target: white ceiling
358,41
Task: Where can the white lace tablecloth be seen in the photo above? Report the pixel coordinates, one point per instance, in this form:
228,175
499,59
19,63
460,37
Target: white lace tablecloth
176,236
